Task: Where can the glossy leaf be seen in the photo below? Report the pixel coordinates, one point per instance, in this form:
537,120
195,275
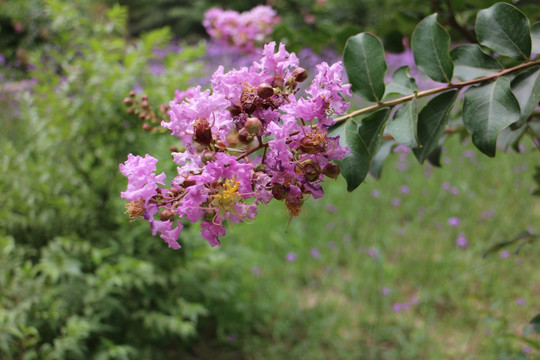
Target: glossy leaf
470,62
355,166
487,110
377,162
434,158
364,61
363,140
535,38
431,123
526,88
402,83
504,29
431,50
403,126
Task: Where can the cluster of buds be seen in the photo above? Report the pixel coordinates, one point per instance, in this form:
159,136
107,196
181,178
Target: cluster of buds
141,108
248,140
242,31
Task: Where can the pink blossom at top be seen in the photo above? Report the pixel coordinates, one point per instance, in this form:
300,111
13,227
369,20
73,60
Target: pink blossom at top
240,30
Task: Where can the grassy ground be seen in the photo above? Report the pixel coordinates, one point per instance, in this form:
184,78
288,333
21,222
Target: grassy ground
377,273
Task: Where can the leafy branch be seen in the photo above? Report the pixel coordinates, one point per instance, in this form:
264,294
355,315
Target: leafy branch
424,93
496,99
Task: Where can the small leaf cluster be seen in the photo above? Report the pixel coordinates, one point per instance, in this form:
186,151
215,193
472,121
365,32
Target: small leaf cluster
499,76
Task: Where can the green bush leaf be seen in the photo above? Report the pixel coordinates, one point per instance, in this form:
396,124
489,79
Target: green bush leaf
363,140
431,123
403,127
431,50
504,29
526,88
365,65
402,83
471,62
535,38
487,110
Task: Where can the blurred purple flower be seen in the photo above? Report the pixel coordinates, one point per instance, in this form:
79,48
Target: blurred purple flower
446,186
331,244
375,193
372,252
405,189
520,301
487,214
454,191
454,221
396,202
315,253
385,291
505,254
461,241
331,208
291,257
256,271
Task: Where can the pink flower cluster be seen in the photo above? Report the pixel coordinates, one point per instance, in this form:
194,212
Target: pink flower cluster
243,31
249,139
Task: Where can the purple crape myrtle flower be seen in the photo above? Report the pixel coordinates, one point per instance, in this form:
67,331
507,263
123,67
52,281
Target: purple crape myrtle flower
251,138
243,31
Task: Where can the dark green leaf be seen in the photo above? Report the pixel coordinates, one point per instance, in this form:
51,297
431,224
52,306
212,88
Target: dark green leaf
365,65
431,50
403,127
355,166
504,29
507,137
487,110
434,158
535,37
402,83
471,62
377,162
431,123
535,324
526,89
363,141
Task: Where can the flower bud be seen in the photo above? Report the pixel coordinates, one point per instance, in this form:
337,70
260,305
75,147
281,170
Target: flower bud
310,145
265,90
299,74
279,192
132,93
131,111
203,131
207,156
332,171
145,104
244,136
277,82
144,98
128,102
166,214
253,125
309,168
163,108
174,148
147,127
235,109
188,182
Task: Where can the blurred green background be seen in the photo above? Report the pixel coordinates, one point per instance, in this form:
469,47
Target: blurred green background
374,274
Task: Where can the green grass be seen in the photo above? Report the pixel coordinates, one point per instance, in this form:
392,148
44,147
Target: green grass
461,305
